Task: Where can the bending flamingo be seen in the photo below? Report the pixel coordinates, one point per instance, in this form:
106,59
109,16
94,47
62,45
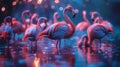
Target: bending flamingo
61,30
82,26
96,31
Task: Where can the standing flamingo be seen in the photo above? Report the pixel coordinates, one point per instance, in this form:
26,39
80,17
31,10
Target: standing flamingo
7,33
82,26
33,30
5,29
61,30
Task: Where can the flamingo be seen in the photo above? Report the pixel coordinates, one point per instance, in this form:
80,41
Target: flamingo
17,26
98,19
61,30
5,29
82,26
96,31
33,30
7,32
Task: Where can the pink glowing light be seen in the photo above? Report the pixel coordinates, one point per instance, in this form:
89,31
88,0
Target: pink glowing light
14,3
3,9
39,1
57,1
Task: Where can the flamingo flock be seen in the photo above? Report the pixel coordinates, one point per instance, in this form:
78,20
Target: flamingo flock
35,27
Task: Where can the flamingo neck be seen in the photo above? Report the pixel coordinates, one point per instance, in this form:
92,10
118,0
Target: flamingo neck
45,25
23,18
85,18
31,20
98,19
69,21
54,19
85,39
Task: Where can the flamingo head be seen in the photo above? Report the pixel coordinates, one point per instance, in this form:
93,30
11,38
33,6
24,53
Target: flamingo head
84,12
27,12
8,20
108,25
34,17
14,20
56,15
94,15
42,19
70,8
27,21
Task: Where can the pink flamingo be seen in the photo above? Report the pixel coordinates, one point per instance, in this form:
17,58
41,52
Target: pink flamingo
17,26
7,32
82,26
96,31
61,30
33,30
5,29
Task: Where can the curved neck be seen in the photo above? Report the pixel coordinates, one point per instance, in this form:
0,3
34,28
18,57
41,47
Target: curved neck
98,20
85,18
84,39
69,21
38,23
23,19
54,19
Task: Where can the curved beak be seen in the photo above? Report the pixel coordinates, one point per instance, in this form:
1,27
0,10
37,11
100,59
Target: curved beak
111,30
73,13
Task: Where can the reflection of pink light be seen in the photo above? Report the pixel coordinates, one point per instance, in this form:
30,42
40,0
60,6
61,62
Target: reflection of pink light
29,0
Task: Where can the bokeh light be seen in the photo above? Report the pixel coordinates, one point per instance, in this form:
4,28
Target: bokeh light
61,8
56,1
29,0
39,1
3,9
14,3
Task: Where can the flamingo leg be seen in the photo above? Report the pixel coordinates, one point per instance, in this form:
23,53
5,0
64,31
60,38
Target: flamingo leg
58,46
36,45
14,36
100,43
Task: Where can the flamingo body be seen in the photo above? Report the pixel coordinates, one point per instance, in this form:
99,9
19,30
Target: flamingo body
58,31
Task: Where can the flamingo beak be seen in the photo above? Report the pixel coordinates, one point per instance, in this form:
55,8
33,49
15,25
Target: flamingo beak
111,30
73,13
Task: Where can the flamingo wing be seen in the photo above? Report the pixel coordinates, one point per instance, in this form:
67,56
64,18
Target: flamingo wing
99,31
58,31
